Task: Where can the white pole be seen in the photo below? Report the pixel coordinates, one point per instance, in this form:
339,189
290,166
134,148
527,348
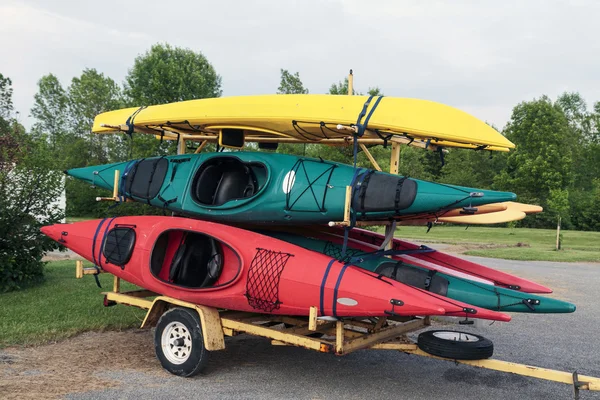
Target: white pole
558,234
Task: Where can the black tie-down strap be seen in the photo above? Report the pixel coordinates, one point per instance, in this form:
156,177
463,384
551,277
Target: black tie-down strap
176,163
398,196
154,166
363,188
96,276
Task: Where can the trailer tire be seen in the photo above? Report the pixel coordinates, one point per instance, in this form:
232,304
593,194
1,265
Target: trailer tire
455,345
179,343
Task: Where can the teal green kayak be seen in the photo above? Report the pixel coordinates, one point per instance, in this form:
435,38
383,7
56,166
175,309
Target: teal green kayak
268,188
461,289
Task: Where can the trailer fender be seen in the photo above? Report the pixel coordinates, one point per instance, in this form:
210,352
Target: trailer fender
210,321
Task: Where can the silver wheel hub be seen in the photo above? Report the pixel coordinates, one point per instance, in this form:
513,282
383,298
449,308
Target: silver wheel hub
456,336
176,343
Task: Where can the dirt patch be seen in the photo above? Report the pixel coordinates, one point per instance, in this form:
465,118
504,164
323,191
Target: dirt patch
61,256
52,371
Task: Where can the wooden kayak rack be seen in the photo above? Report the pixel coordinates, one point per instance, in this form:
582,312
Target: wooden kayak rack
324,335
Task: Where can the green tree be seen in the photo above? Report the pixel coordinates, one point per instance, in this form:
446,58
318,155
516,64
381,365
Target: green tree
585,208
291,83
64,119
9,146
472,168
6,104
50,111
539,169
580,126
413,163
594,143
585,146
90,94
342,88
28,187
575,109
166,74
374,91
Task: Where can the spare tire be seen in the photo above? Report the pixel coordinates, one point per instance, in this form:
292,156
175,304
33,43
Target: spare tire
455,345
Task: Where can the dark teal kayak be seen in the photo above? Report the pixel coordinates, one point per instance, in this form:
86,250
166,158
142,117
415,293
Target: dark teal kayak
461,289
267,188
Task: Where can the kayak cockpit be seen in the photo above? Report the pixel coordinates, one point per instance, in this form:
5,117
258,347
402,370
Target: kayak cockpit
415,277
193,260
222,179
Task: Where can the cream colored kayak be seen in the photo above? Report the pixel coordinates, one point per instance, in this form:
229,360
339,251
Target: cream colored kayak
514,211
497,213
526,208
312,118
483,219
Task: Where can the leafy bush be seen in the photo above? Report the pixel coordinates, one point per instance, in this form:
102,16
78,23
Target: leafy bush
585,208
28,187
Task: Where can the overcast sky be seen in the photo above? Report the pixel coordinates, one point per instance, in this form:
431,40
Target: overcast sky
481,56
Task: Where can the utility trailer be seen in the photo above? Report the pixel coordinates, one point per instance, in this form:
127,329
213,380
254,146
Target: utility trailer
186,333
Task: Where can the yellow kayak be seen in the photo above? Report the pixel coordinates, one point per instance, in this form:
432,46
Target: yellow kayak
311,118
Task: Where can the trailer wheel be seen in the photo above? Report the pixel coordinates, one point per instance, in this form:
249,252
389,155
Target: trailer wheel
179,343
455,345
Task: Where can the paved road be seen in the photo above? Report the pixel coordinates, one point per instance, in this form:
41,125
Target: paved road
252,368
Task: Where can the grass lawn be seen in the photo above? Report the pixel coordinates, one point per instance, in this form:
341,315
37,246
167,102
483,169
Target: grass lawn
512,243
61,307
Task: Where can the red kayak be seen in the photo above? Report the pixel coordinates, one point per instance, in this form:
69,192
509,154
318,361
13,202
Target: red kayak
226,267
436,260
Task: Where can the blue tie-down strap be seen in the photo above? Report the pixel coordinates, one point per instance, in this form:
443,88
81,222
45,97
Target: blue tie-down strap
128,167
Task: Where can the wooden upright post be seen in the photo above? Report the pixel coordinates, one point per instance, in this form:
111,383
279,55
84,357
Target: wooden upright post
117,284
339,337
78,269
394,167
395,158
181,146
312,319
116,185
